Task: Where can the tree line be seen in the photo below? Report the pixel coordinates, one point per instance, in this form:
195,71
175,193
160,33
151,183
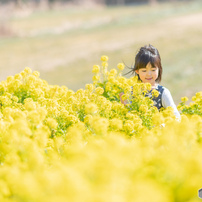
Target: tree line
104,2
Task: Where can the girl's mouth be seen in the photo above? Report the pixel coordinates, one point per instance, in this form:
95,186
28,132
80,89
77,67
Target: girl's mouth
149,79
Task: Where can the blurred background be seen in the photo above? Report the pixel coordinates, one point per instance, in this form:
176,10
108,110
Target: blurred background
63,39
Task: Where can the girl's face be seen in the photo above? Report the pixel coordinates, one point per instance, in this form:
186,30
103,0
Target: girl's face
148,74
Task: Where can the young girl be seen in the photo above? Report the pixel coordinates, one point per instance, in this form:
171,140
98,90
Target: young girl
148,68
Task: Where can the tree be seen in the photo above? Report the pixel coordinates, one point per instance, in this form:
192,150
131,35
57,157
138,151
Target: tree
45,3
18,3
152,2
120,2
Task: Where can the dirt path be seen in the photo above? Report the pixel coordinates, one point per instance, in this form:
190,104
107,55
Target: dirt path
84,46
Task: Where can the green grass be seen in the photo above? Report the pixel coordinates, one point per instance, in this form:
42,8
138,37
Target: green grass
63,45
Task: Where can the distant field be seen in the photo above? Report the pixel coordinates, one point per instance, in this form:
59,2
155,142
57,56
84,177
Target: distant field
64,44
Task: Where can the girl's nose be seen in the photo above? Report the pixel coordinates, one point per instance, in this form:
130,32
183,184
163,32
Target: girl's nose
149,72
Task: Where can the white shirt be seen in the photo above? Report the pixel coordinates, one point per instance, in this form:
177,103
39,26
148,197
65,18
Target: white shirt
167,100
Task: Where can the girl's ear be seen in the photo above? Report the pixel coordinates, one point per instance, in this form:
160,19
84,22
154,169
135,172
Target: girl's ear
137,71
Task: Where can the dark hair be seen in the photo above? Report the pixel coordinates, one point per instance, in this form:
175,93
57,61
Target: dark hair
147,54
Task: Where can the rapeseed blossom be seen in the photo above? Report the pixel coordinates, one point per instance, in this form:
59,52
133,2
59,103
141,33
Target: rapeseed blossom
104,58
96,69
91,108
121,66
56,143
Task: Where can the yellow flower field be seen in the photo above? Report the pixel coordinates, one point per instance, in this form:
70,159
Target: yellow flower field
61,145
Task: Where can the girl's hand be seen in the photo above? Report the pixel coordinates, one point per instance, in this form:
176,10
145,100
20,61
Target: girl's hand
122,101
